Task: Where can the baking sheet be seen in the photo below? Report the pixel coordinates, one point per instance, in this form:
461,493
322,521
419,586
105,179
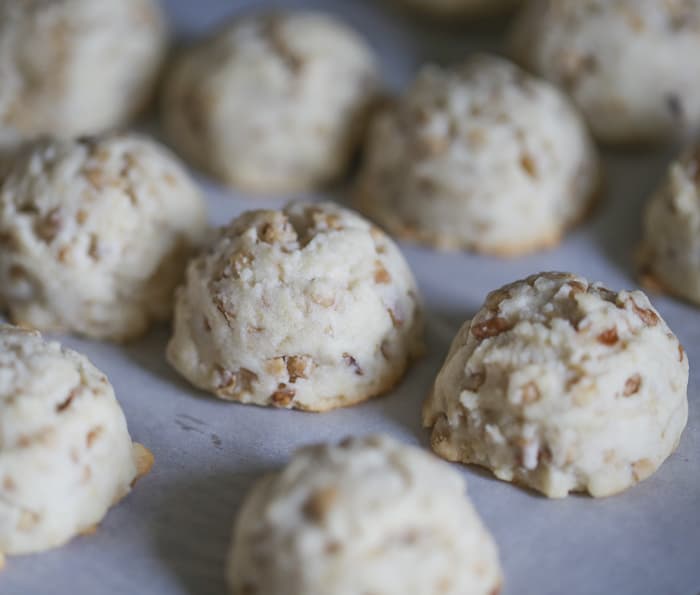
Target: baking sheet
170,535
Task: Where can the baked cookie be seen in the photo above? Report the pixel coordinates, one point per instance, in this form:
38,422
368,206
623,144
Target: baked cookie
368,516
625,63
670,255
480,157
460,9
72,67
272,103
562,385
94,235
65,453
309,307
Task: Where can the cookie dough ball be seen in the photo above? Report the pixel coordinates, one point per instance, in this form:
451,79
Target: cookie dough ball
671,248
309,307
449,9
72,67
562,385
65,452
368,516
479,157
626,63
272,103
94,235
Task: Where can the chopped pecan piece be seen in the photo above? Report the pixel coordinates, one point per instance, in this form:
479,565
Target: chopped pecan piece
283,396
381,275
608,337
352,362
490,328
319,504
632,385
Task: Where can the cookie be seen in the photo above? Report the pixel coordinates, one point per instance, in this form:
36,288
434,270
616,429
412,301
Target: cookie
460,9
480,157
563,386
65,453
670,254
272,103
624,62
367,516
75,67
309,307
94,235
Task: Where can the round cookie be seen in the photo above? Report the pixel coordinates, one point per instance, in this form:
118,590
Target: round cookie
479,157
368,516
272,103
309,307
562,386
94,235
625,63
65,453
460,9
72,67
670,252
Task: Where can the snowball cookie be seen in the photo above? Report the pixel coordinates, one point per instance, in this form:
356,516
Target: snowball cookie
480,156
670,254
65,452
562,385
626,63
94,235
449,9
368,516
71,67
272,103
309,308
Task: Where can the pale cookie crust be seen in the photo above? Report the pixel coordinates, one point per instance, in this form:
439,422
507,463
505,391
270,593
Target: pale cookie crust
95,234
72,67
310,307
479,157
272,103
670,251
625,63
367,516
562,385
65,453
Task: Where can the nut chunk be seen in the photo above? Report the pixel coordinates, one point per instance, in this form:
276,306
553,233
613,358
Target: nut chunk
367,516
94,235
581,388
65,453
285,309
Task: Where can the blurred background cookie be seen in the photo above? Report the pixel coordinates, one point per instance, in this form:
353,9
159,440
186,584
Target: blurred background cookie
626,63
76,67
272,103
480,156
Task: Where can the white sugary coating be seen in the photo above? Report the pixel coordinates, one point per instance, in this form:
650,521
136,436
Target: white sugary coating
272,102
65,452
72,67
310,307
626,63
95,234
368,516
481,156
460,8
562,386
671,247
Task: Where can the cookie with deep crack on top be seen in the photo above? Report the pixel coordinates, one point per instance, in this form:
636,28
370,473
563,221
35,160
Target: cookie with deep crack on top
310,307
563,386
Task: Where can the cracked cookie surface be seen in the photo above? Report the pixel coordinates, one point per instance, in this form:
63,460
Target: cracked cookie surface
562,385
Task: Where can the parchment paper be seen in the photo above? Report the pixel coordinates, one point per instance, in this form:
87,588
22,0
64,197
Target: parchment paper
169,537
